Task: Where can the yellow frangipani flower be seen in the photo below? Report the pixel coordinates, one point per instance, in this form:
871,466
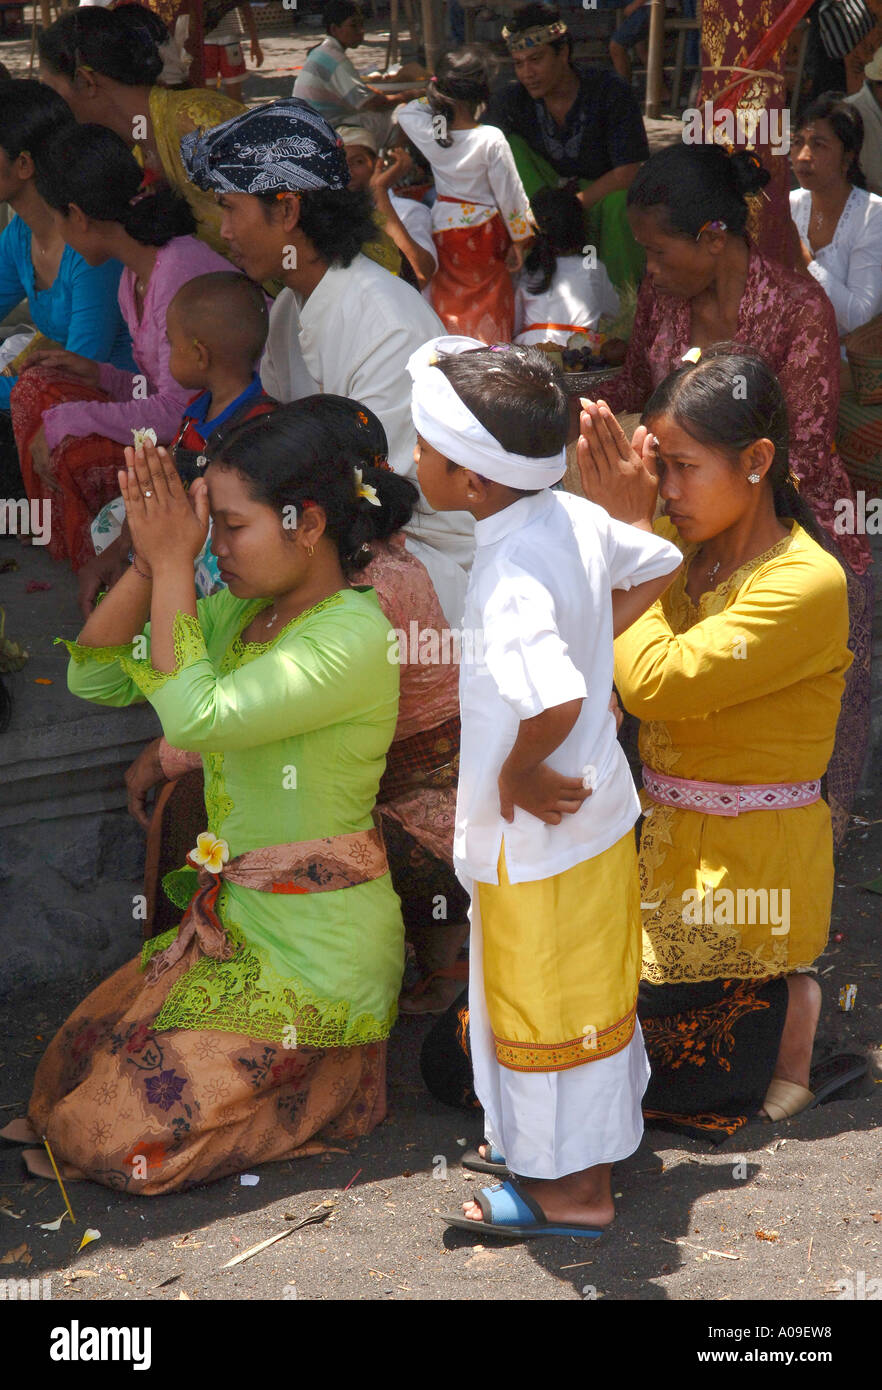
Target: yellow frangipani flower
365,490
212,854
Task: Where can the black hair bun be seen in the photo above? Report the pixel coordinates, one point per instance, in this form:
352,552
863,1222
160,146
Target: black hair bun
749,172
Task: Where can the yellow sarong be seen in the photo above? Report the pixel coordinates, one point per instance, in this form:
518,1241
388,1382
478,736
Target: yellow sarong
562,961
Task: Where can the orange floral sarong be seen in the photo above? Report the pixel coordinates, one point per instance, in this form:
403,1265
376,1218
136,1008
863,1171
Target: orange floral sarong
85,468
149,1112
472,292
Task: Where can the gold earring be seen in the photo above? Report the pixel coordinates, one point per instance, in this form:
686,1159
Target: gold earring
310,550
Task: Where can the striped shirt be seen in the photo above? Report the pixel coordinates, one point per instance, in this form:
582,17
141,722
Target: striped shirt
330,83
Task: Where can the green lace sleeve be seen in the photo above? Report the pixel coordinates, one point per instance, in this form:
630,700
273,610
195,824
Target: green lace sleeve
133,677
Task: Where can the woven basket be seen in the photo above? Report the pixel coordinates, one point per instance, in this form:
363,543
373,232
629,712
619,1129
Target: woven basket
863,348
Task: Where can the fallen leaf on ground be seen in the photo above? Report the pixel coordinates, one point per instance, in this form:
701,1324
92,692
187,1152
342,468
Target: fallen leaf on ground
20,1255
52,1225
876,1215
766,1235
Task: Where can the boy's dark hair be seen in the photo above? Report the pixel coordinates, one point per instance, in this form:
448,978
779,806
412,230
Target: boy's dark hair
560,220
120,47
536,15
699,398
93,167
847,124
338,221
695,184
337,12
464,74
516,393
227,312
29,113
307,451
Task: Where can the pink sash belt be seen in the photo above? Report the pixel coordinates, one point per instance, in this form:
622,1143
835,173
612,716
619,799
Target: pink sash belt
723,799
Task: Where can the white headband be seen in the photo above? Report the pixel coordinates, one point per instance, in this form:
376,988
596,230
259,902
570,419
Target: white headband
445,421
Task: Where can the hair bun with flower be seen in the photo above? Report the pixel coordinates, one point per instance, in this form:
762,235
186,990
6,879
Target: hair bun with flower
364,490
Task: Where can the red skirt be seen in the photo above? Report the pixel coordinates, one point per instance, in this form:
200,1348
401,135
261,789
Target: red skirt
472,292
85,468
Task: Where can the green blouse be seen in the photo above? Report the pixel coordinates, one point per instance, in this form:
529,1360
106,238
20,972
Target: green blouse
293,735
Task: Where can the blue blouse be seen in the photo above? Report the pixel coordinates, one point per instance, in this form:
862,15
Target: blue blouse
79,310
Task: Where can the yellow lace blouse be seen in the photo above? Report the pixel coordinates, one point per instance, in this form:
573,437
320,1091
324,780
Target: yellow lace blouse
743,687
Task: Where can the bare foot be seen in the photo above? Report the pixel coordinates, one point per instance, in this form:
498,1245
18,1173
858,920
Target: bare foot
580,1199
797,1038
38,1165
20,1131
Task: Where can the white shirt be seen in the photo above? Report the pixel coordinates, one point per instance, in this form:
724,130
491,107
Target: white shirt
416,219
871,149
539,612
353,337
477,170
850,268
577,297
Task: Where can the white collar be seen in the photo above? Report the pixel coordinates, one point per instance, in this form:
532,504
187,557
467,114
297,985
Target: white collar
493,528
329,289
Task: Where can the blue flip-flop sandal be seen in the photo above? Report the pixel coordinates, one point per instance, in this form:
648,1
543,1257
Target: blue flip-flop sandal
493,1163
509,1211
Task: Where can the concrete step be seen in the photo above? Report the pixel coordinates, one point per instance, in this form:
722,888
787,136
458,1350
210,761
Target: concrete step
60,756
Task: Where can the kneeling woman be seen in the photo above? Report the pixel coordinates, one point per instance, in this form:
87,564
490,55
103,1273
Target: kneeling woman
737,675
256,1030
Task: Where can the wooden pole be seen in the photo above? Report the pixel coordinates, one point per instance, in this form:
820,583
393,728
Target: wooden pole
431,32
655,59
392,46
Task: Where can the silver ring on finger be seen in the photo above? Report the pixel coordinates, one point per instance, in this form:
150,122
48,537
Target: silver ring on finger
148,493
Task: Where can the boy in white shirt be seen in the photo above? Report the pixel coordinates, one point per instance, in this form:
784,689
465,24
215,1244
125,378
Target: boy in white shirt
546,805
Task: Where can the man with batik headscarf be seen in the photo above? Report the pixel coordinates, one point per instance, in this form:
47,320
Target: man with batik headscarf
342,324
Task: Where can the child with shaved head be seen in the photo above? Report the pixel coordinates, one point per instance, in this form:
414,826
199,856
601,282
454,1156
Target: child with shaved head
216,327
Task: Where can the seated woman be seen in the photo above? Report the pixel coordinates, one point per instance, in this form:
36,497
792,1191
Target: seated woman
736,674
70,301
72,415
256,1030
565,122
417,796
838,221
706,283
106,66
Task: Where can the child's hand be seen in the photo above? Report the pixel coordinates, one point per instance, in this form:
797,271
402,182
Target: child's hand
164,522
546,794
386,176
514,260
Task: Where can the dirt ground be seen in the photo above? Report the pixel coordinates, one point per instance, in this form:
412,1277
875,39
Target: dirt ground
777,1213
